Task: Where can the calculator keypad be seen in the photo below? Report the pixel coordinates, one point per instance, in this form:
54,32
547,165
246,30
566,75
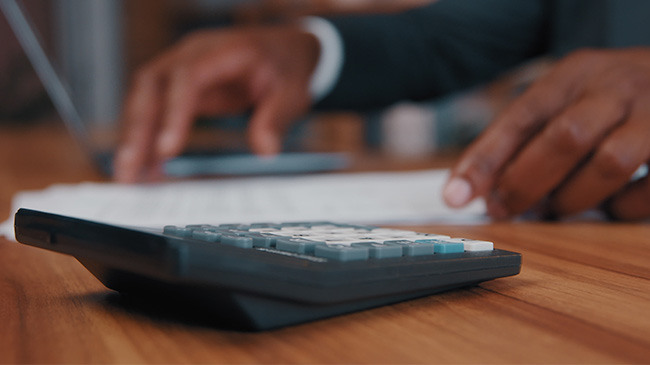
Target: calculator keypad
337,242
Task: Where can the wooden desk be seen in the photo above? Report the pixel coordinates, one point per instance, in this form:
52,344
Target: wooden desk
583,296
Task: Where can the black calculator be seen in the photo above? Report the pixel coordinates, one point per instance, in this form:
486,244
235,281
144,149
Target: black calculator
261,276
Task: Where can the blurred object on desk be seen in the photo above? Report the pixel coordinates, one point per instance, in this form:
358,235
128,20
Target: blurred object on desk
22,97
412,129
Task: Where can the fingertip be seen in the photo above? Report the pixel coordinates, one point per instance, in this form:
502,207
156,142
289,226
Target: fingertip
166,145
265,144
457,192
124,168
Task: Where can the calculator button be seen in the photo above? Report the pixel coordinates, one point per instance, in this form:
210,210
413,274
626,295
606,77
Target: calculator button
341,230
240,227
231,231
430,236
444,245
323,227
263,239
380,250
341,252
200,226
177,231
237,241
264,229
392,232
412,248
294,228
297,245
476,245
208,236
448,247
264,225
339,241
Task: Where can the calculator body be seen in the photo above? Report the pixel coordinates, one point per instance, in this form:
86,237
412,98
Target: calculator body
256,288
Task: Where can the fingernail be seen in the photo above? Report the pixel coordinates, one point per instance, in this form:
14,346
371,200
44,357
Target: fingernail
121,164
165,145
457,192
268,146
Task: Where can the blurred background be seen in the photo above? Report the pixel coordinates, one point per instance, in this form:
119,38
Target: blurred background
97,45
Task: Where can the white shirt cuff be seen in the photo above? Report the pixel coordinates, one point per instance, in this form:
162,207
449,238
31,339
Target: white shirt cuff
330,62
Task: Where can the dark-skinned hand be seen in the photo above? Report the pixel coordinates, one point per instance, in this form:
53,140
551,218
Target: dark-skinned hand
569,143
212,73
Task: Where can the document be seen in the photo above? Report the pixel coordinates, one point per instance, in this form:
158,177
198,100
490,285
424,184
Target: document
365,198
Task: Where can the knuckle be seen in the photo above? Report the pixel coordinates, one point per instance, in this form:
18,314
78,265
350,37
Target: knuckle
523,115
183,74
613,163
479,170
567,134
629,80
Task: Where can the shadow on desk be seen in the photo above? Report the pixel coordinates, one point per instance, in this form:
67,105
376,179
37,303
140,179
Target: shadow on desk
198,315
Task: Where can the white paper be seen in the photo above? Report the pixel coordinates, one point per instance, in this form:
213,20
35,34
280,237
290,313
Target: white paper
369,198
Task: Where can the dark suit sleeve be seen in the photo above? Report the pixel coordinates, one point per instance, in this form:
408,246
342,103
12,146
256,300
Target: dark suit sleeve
434,50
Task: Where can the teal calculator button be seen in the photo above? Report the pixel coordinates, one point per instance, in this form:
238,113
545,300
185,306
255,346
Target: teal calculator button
412,248
297,245
450,247
237,241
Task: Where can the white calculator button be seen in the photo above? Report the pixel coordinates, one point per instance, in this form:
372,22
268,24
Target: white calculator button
392,232
264,230
474,245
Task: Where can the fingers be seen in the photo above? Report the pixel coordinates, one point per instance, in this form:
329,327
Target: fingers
633,203
554,153
610,168
188,86
570,142
141,114
214,73
474,174
166,98
274,113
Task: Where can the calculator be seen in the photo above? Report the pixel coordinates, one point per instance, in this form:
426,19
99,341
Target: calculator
261,276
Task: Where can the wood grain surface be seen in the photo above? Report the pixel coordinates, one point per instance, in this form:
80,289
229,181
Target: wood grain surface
583,296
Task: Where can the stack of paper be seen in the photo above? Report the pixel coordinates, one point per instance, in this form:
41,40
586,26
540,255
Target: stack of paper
372,198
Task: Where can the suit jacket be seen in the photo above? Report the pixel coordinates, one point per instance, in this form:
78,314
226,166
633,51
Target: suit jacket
456,44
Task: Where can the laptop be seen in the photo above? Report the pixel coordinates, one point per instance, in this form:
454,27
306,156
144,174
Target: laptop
196,163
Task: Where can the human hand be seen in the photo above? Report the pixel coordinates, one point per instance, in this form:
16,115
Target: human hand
571,142
210,73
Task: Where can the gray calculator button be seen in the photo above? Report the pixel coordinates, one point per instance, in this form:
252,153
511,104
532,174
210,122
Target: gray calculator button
297,245
341,252
263,239
380,250
265,225
238,241
231,231
240,227
411,248
208,236
177,231
200,226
